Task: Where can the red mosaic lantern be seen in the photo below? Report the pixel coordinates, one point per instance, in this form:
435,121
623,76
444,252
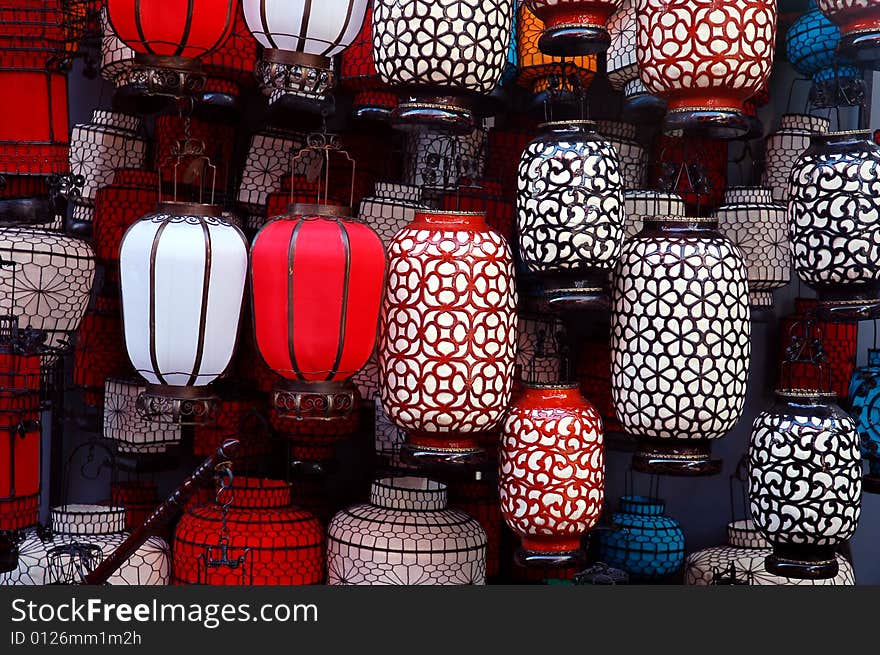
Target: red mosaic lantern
321,273
235,417
132,194
219,140
594,375
710,155
479,499
573,27
839,340
706,58
100,351
357,73
234,60
268,541
138,497
487,198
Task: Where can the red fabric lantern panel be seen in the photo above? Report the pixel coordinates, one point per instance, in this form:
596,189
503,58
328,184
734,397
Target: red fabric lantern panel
100,351
277,543
138,497
486,198
23,186
709,154
132,194
317,286
35,26
172,28
839,341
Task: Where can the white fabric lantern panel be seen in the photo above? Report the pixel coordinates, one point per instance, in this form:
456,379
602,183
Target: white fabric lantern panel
183,273
124,426
117,59
46,281
98,148
81,537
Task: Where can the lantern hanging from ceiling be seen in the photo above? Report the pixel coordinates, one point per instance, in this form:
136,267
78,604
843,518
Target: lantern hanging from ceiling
391,208
317,280
570,212
643,541
373,99
300,41
758,227
643,204
170,38
443,56
859,22
447,341
394,539
573,27
125,427
741,561
680,343
864,399
783,148
805,442
182,277
832,217
706,59
260,539
551,472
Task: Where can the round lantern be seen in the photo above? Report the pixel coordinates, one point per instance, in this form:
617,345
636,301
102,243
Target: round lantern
643,204
706,59
391,208
79,538
168,39
182,276
680,343
643,541
131,194
124,426
623,69
447,341
784,147
832,217
299,41
805,482
864,399
859,22
317,284
357,73
573,27
757,226
570,213
741,561
551,472
443,55
406,535
45,280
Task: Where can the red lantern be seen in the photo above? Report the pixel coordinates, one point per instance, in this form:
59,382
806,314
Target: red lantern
132,194
235,418
479,499
100,351
138,497
317,281
234,60
486,198
357,73
269,541
706,58
219,140
573,27
710,155
594,375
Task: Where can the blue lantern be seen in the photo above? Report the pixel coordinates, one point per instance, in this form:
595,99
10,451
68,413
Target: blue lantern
864,398
510,68
811,46
643,542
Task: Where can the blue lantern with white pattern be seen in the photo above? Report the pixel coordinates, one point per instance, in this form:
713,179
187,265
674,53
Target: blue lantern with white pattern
864,398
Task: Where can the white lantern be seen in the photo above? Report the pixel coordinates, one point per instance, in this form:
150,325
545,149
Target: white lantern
643,204
299,40
268,160
391,208
128,429
182,275
784,147
45,280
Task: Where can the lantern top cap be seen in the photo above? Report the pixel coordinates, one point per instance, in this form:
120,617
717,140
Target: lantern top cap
177,208
328,211
681,220
805,394
451,220
590,125
859,134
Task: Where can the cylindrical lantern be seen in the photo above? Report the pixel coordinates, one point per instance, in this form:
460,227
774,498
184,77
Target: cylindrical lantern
169,38
124,426
551,472
406,535
573,27
118,206
357,73
45,281
805,482
680,343
100,351
391,208
443,55
643,541
268,160
317,284
758,227
864,400
438,162
643,204
859,22
447,341
538,349
706,59
262,539
832,217
570,212
182,276
299,41
623,68
784,147
741,561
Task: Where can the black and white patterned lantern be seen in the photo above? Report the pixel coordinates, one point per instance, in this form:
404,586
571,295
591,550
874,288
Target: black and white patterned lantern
570,214
442,55
438,162
783,148
643,204
834,217
805,482
680,343
758,227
